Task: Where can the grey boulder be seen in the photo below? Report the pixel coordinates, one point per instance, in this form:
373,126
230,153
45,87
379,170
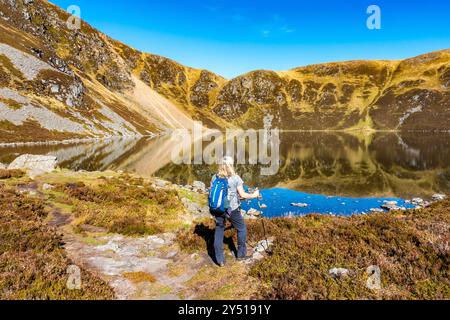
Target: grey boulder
34,164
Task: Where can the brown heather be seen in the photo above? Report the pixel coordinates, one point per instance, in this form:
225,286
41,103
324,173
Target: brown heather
33,264
411,249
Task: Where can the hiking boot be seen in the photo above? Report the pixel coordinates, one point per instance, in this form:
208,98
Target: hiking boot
221,264
246,258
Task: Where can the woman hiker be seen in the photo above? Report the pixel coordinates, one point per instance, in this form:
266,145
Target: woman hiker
232,208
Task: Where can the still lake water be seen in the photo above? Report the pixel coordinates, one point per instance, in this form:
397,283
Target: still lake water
332,172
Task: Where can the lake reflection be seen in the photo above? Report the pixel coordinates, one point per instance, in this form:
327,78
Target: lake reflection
380,164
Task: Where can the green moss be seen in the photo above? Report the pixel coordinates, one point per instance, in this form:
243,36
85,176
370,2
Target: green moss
193,196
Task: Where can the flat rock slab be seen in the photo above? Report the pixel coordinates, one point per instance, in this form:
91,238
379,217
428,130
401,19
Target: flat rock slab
112,257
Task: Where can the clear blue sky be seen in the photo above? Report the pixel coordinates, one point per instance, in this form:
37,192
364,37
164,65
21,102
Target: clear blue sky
234,37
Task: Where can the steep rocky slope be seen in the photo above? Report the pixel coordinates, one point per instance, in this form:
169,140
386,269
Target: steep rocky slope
57,83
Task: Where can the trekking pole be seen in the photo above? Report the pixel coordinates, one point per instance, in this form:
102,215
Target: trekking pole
261,207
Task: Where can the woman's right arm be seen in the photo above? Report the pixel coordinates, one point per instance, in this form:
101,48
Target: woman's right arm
245,195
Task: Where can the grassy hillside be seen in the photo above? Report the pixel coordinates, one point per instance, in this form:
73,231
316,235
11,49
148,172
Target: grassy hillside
60,83
379,95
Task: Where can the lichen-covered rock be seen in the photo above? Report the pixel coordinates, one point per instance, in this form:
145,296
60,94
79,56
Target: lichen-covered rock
438,197
338,273
199,186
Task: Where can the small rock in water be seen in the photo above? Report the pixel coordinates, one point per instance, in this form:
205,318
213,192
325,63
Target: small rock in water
438,197
337,273
391,205
301,205
246,215
417,201
376,210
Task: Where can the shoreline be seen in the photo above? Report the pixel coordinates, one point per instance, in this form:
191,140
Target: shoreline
95,139
73,141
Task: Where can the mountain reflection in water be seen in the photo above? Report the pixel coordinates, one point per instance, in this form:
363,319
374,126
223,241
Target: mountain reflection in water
333,163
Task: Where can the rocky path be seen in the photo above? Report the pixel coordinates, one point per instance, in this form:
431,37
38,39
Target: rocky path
144,267
137,268
148,267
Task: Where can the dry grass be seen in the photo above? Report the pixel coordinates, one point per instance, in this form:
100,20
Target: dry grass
31,131
124,205
8,174
231,283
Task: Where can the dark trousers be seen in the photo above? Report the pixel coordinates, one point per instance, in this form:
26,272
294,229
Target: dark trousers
239,224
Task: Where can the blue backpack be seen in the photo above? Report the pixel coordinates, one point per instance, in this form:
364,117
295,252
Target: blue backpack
218,195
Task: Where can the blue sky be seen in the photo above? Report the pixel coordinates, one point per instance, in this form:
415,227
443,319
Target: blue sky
234,37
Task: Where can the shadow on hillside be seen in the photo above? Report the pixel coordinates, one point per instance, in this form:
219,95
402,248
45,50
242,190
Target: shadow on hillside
207,234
